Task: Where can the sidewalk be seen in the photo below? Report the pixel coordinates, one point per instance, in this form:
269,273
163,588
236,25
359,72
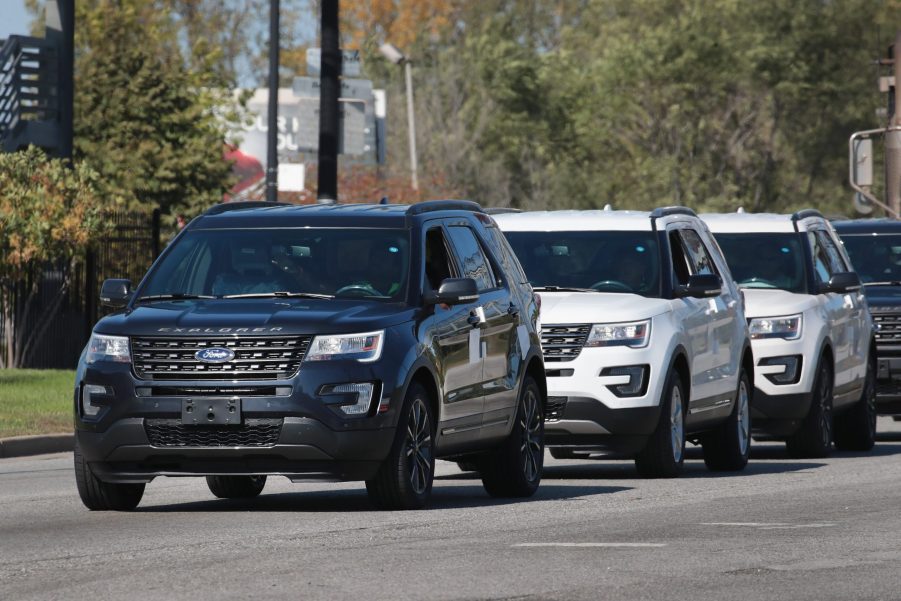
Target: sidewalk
19,446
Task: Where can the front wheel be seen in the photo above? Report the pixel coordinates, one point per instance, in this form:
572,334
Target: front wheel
727,448
514,469
664,454
98,495
404,481
814,438
856,429
236,487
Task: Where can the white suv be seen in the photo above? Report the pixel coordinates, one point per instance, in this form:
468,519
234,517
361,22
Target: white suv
810,328
643,333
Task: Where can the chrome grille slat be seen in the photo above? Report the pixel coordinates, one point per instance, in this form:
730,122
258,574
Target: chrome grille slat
889,331
563,342
172,358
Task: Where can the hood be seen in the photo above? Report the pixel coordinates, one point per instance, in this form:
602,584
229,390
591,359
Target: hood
770,302
598,307
254,317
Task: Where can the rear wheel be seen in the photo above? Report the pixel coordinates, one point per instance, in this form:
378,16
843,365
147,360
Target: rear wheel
856,429
236,487
814,438
727,448
664,454
404,480
514,468
98,495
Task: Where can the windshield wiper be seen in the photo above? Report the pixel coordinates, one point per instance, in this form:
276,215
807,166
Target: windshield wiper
562,289
281,294
887,283
175,296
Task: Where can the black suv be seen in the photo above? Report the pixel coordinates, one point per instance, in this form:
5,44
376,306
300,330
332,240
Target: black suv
874,246
346,342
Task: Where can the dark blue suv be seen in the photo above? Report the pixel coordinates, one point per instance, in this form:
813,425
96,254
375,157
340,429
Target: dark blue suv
347,342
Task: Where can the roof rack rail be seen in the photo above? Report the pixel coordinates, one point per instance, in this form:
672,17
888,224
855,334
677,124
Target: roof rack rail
805,213
665,211
444,205
501,210
225,207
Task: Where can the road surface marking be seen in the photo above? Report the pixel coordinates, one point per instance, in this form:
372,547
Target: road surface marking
771,525
636,545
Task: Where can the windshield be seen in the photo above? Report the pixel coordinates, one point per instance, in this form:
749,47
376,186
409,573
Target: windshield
351,263
875,258
765,260
602,261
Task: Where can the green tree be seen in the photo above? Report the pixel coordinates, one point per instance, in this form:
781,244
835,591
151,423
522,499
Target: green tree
49,213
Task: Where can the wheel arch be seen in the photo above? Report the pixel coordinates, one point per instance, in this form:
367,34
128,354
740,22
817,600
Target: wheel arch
747,362
680,363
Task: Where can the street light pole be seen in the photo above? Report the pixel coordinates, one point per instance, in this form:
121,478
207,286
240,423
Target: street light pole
272,133
397,57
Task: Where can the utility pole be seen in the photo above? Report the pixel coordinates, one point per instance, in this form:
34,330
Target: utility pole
272,133
329,91
893,136
393,54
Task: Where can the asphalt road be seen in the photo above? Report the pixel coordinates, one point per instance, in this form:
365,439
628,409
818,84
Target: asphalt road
783,529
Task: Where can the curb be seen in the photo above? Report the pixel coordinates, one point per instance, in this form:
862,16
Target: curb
20,446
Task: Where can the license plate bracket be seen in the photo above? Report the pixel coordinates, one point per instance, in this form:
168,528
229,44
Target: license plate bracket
211,412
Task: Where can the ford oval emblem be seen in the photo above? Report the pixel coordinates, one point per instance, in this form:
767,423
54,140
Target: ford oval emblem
214,355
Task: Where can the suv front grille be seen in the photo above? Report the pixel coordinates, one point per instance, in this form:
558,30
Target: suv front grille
269,358
253,433
563,342
888,333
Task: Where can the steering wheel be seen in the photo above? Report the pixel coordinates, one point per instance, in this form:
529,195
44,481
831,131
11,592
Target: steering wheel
358,290
612,286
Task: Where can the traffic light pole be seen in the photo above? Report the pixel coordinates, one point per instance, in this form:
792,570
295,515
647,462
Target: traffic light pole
272,133
329,91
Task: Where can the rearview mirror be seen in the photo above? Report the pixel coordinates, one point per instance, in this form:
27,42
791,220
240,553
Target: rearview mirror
700,286
115,293
842,282
454,291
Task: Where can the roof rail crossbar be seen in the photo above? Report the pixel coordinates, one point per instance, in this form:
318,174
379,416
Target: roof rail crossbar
665,211
225,207
805,213
444,205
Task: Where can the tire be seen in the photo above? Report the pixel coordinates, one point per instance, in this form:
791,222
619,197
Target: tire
856,429
236,487
664,454
514,468
98,495
404,480
814,438
727,448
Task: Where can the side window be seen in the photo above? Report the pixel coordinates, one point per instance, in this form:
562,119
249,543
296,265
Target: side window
820,257
438,266
472,259
698,256
833,254
680,261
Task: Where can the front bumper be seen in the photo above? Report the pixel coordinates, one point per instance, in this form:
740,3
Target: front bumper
314,438
888,384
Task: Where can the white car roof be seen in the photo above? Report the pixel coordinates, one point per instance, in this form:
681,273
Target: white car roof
747,223
570,221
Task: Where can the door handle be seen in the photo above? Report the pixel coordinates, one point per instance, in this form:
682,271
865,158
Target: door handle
473,320
476,317
513,310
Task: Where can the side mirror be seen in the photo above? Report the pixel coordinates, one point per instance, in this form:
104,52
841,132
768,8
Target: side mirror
115,293
700,286
842,282
454,291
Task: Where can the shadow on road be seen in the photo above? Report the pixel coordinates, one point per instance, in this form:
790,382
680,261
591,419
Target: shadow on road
336,501
601,469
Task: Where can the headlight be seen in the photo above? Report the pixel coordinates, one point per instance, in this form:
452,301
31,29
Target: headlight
634,334
787,328
362,347
108,348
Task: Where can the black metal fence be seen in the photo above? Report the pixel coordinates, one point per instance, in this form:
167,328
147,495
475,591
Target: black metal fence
66,320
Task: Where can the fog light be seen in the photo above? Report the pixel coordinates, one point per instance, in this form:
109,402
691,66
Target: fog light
357,397
89,394
791,372
637,384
